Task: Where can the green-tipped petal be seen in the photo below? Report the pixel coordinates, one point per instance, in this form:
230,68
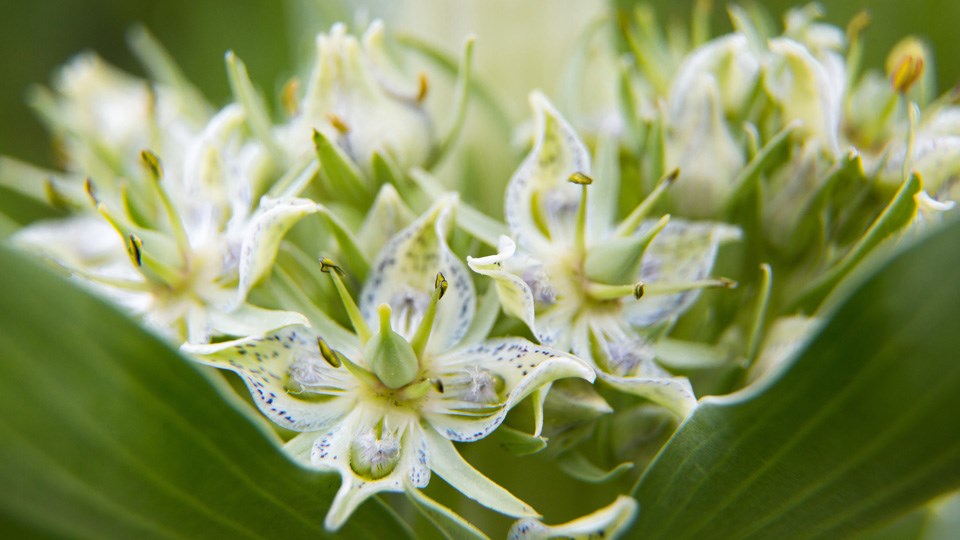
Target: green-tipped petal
263,236
541,205
483,382
447,462
404,275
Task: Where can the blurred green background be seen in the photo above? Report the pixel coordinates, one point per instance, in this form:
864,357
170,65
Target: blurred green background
38,36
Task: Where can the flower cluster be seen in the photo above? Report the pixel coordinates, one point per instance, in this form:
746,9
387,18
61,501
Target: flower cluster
316,254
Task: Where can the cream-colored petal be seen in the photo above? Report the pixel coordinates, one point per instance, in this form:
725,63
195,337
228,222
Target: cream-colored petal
263,236
682,252
515,295
287,377
609,522
404,276
483,382
541,204
447,462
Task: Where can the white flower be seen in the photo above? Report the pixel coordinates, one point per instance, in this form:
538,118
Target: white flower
583,284
353,99
383,408
103,118
181,243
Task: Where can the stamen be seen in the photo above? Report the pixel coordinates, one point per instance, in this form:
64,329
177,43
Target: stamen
602,291
338,124
54,197
356,319
152,163
288,96
423,87
630,224
328,354
683,286
91,191
581,232
438,385
135,249
336,359
422,337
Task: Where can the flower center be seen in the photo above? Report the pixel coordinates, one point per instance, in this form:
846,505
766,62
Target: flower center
375,453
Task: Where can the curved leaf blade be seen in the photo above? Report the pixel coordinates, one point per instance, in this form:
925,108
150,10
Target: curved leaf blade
108,433
861,427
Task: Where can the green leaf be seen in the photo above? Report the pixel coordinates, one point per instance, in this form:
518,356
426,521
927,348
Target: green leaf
862,426
108,433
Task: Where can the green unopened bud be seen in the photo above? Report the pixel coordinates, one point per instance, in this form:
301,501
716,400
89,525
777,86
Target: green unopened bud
389,355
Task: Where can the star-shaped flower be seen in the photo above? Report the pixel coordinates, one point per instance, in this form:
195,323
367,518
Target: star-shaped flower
587,286
382,407
181,244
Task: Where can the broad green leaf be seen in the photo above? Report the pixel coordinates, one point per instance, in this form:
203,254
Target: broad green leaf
860,428
108,433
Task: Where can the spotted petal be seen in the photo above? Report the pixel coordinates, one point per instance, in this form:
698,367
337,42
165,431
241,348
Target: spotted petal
263,236
483,382
607,522
682,252
515,295
625,361
541,205
404,276
288,379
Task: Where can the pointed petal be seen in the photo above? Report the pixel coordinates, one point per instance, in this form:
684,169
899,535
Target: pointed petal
337,448
249,320
263,236
683,251
483,382
672,393
81,241
404,274
807,88
541,205
446,520
287,377
515,295
606,522
388,215
625,361
447,462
